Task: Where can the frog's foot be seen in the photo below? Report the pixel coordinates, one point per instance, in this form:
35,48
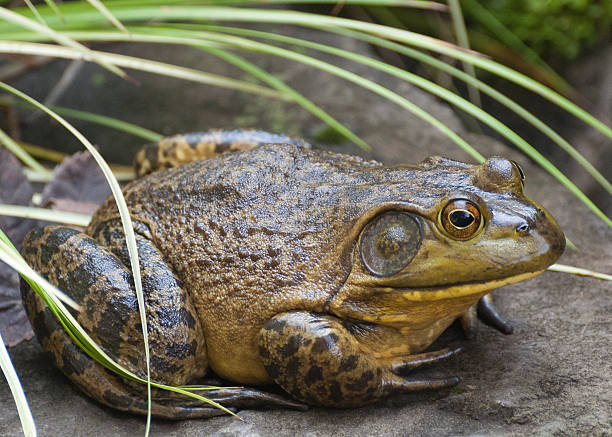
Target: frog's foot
484,311
318,361
489,315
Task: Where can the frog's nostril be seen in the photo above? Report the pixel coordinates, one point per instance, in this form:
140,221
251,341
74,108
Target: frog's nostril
522,228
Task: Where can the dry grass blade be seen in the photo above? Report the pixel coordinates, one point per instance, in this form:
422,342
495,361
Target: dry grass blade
579,271
22,21
140,64
25,414
21,154
30,212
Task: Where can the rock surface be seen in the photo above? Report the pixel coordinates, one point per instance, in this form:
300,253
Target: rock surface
551,377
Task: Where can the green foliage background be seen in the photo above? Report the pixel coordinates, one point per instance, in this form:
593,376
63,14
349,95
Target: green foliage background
559,30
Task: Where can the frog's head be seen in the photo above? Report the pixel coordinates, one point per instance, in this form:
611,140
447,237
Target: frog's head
453,230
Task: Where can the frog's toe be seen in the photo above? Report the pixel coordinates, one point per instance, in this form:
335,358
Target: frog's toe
398,385
489,315
469,322
413,361
246,398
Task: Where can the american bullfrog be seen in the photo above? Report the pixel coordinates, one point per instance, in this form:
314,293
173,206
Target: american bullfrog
274,263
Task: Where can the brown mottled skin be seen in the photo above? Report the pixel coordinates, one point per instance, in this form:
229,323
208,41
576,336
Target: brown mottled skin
323,273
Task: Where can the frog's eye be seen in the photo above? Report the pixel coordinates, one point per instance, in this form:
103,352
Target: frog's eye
460,219
389,242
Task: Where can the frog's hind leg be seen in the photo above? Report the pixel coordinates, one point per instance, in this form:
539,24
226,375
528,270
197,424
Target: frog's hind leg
317,360
95,276
181,149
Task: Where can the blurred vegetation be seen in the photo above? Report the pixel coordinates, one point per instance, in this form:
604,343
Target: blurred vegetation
558,30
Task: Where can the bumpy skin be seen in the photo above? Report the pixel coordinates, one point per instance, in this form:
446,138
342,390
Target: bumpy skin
256,264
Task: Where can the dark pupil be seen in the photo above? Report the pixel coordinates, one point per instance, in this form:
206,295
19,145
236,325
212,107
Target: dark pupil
461,218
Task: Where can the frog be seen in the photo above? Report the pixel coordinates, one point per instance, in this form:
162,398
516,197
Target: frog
304,277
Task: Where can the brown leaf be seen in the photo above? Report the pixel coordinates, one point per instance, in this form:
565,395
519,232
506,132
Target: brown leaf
14,189
70,205
77,178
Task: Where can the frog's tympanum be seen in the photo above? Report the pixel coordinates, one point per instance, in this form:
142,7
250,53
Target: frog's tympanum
273,263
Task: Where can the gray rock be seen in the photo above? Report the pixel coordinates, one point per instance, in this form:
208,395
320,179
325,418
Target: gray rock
551,377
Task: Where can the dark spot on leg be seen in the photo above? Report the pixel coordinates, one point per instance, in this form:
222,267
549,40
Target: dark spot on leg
276,325
181,350
321,345
117,400
264,353
187,317
273,370
75,360
292,346
348,363
314,374
360,384
293,367
161,365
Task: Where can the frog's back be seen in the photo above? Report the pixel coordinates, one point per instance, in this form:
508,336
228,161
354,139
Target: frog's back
250,234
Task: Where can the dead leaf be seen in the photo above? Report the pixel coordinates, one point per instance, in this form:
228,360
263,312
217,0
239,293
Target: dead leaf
14,189
70,205
79,179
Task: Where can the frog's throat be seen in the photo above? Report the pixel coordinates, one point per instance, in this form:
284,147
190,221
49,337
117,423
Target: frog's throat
457,290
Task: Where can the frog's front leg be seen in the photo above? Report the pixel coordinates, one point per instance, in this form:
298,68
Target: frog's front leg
318,361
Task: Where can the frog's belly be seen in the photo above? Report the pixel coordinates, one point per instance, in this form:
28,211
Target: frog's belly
414,328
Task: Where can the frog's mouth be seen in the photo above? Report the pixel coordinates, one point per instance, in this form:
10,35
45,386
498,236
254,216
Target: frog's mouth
450,291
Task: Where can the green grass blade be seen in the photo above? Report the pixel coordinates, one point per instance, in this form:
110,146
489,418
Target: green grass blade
332,69
23,409
455,100
91,117
125,220
493,93
49,215
415,4
32,8
51,4
21,154
22,21
141,64
405,36
127,13
298,98
463,41
51,295
108,14
506,36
